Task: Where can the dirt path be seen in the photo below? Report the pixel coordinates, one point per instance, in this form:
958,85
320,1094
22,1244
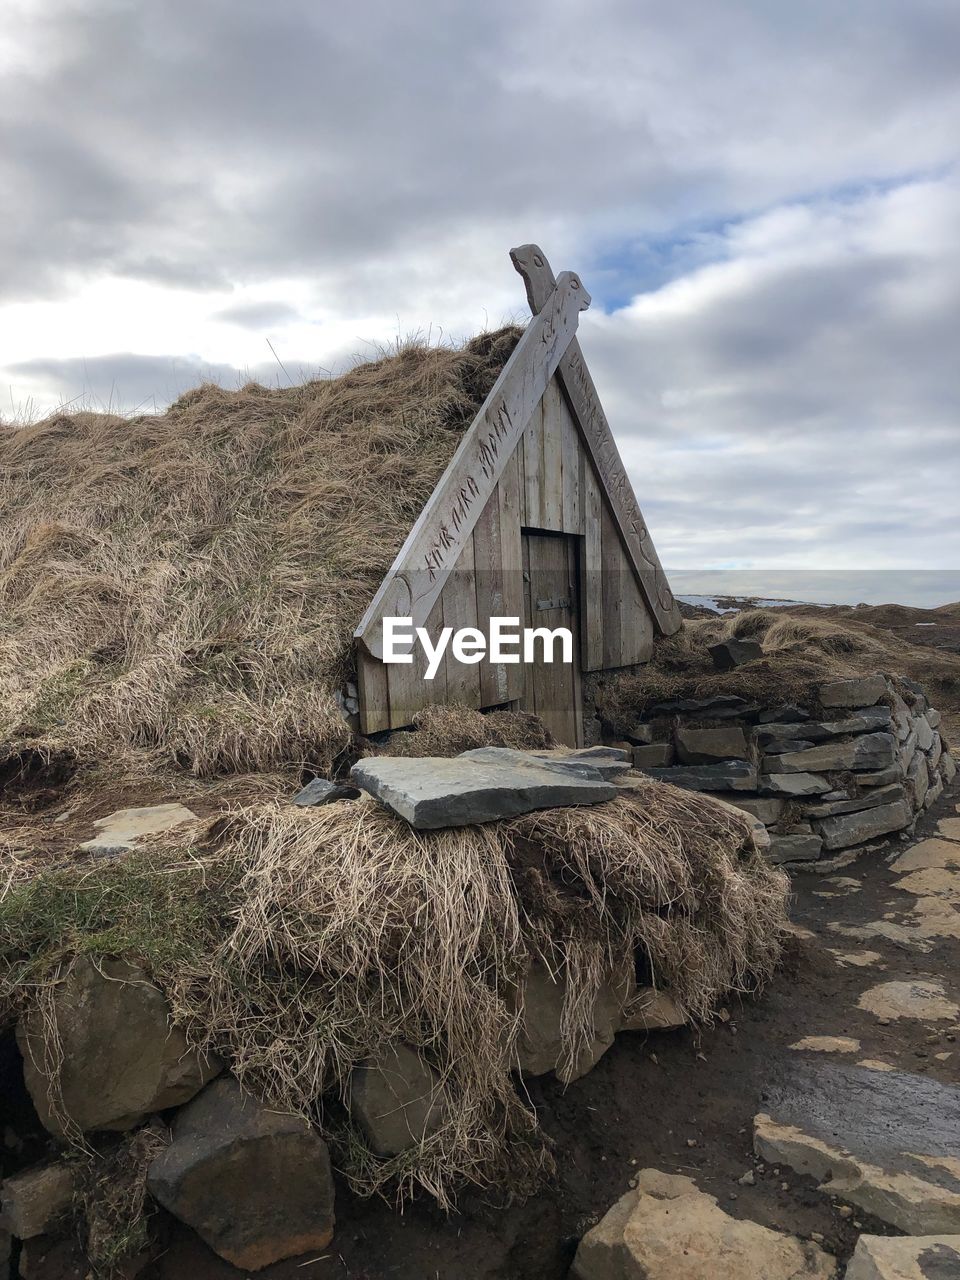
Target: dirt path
686,1103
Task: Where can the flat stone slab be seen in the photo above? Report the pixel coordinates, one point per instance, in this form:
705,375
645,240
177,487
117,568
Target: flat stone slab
924,999
905,1258
667,1229
927,854
887,1141
793,784
868,751
827,1044
121,830
861,691
847,829
794,848
433,791
733,775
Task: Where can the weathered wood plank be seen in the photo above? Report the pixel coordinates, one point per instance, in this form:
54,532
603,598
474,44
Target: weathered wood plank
612,590
538,278
571,450
459,602
573,569
511,555
417,576
533,469
551,493
408,689
636,625
591,576
373,695
491,594
552,599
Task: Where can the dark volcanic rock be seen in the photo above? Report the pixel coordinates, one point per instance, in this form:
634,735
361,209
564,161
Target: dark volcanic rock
255,1184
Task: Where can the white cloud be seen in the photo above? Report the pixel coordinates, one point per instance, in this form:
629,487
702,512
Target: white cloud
773,188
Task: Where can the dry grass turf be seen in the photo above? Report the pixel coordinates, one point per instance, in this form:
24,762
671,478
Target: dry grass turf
187,584
800,653
302,942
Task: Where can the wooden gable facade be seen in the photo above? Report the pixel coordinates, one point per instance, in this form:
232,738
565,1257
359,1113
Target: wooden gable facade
534,518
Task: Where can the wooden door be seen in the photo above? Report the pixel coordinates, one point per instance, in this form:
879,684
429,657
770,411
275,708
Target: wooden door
551,599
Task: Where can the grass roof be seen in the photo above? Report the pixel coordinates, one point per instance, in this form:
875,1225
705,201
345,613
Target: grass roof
188,583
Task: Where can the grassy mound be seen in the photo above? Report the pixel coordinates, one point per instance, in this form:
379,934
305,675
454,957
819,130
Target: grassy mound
188,584
302,941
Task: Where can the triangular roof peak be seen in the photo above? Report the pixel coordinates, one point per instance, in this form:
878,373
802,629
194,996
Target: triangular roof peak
548,347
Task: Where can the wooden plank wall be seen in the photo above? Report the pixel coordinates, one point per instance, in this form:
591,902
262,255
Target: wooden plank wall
549,484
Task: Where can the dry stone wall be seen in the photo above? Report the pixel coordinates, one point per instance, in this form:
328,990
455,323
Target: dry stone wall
860,766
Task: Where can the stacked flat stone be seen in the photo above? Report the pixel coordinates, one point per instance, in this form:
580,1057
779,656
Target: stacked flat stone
864,768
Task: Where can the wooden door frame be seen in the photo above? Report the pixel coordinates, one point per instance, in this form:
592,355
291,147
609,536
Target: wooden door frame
574,548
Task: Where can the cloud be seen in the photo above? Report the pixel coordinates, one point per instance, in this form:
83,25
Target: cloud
763,201
794,402
124,382
258,315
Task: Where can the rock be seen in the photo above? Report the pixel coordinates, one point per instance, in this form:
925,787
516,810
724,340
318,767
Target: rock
881,777
666,1229
540,1044
869,751
905,1258
788,712
918,780
921,726
759,834
435,792
902,716
33,1202
870,800
397,1101
934,793
121,830
927,854
658,755
707,746
732,775
766,809
608,762
640,735
120,1057
865,720
793,784
925,1000
934,754
254,1183
861,691
883,1140
321,791
798,848
827,1044
854,828
907,751
705,706
787,745
734,653
652,1010
948,768
749,1179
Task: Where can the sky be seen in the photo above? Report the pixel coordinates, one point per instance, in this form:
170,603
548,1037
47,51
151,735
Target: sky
762,197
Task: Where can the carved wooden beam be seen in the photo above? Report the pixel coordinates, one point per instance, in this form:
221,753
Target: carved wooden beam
416,578
531,262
